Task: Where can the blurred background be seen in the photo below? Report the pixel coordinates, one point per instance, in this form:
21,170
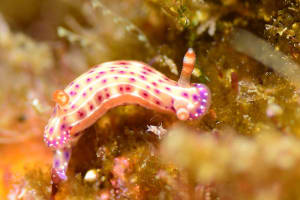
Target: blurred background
246,147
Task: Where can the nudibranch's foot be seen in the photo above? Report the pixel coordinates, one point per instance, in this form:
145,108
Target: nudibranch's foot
59,168
55,180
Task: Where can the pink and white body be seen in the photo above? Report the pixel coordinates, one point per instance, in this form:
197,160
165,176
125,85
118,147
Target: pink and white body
111,84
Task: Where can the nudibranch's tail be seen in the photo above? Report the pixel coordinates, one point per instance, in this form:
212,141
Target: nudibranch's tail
187,69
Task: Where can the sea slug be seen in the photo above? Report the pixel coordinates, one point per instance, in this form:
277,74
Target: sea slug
111,84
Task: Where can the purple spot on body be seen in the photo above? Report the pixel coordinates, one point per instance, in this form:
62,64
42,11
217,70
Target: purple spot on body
115,77
122,63
167,88
61,174
99,98
67,155
97,77
147,69
51,130
202,94
88,79
122,72
81,113
73,106
102,72
73,93
197,85
84,94
53,142
90,88
173,108
76,134
77,86
91,107
107,95
91,71
128,88
156,91
159,80
63,127
67,132
157,102
61,141
144,94
143,77
132,79
104,81
199,110
154,84
185,94
56,163
132,73
195,97
172,101
112,70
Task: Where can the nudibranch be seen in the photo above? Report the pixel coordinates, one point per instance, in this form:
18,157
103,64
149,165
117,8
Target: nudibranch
111,84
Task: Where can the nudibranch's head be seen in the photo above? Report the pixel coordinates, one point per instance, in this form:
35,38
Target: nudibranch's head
57,133
201,101
198,105
194,104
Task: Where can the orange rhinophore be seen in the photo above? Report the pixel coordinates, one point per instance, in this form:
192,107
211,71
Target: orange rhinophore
60,97
187,69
